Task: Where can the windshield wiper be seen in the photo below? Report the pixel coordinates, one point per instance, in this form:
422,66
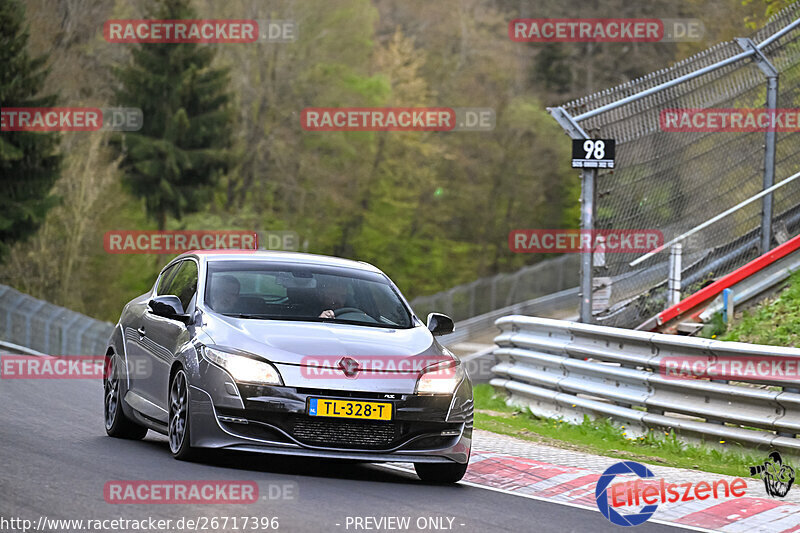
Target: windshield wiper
250,315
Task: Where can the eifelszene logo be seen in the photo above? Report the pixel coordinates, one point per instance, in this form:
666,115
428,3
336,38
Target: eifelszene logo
642,494
778,477
607,508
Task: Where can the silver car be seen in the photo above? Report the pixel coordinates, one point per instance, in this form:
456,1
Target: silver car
288,353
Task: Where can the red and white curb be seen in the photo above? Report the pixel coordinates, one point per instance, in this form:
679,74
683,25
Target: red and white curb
576,486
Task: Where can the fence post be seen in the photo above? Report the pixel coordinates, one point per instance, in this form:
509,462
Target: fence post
472,298
588,188
588,196
771,73
674,279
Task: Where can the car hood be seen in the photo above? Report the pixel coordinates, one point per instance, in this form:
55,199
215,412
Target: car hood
315,343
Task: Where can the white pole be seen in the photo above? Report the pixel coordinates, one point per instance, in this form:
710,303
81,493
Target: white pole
674,280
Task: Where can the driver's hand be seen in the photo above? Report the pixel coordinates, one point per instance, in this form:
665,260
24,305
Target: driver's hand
328,313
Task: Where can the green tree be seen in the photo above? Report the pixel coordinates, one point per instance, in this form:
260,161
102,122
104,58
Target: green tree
29,164
177,157
759,11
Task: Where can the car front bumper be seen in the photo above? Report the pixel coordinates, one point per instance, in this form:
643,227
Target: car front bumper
274,420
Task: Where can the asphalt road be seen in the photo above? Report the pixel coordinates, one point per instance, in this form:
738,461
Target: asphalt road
56,459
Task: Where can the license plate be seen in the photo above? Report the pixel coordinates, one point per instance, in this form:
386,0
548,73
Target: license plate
349,409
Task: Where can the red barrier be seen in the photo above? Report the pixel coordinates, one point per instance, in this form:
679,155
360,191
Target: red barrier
731,279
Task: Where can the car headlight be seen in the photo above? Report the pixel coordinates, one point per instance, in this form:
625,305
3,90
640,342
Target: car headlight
440,378
244,369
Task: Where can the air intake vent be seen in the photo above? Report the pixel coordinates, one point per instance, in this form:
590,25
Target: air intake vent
340,434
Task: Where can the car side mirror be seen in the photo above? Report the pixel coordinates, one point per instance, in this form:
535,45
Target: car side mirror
168,306
440,324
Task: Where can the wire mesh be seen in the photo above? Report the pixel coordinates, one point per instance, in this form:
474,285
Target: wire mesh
502,290
48,328
674,181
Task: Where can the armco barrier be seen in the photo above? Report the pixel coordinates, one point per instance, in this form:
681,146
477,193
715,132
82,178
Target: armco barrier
47,328
566,369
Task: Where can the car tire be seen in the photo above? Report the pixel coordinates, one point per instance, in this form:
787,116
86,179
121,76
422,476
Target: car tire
180,419
117,424
440,473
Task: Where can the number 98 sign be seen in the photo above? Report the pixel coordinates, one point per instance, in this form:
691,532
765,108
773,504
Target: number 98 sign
593,153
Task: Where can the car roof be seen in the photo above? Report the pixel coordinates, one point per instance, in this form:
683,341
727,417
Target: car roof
277,257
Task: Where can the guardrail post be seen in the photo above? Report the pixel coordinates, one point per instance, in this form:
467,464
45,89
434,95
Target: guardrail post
674,279
588,196
771,73
727,305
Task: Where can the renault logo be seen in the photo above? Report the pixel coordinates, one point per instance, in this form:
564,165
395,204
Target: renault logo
349,366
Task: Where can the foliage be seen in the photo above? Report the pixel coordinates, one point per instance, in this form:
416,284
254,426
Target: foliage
181,150
432,209
29,163
776,321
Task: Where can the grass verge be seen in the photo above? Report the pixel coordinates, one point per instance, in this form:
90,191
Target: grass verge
775,321
604,438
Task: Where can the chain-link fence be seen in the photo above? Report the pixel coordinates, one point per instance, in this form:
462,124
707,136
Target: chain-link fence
673,181
48,328
54,330
502,290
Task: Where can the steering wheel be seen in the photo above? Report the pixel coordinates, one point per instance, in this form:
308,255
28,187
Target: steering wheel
345,310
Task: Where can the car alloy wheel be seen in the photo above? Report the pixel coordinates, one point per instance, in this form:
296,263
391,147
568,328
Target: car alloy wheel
111,388
178,412
118,425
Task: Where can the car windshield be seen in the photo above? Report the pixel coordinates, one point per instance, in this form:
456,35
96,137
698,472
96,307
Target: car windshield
267,290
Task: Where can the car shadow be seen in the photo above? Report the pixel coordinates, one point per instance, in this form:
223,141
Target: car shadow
287,465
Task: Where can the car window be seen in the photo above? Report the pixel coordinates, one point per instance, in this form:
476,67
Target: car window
272,290
384,301
166,278
184,284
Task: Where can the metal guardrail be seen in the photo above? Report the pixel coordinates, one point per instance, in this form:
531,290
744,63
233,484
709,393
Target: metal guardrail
49,329
566,369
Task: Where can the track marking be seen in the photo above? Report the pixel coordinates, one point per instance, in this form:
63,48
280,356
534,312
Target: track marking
548,500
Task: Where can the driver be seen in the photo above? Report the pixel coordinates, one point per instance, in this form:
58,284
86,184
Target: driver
332,296
225,294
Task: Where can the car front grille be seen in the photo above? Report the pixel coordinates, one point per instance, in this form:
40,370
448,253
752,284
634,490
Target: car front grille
341,434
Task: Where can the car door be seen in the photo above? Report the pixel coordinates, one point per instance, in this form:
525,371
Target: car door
137,346
164,336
